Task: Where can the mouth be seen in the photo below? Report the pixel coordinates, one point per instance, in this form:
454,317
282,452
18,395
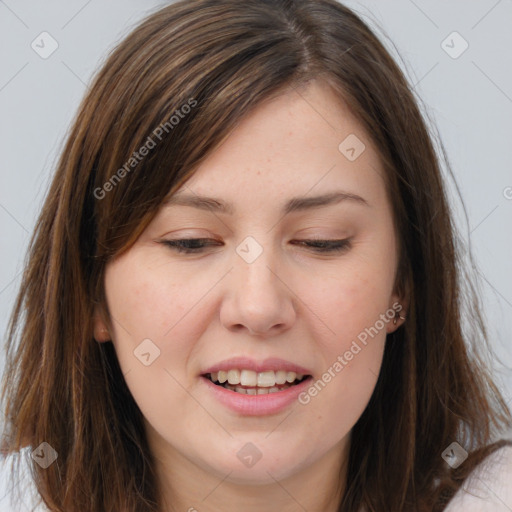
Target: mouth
249,382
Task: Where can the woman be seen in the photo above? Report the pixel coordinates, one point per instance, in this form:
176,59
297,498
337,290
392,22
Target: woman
243,290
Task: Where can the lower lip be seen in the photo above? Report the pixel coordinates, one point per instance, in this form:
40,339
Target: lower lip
256,405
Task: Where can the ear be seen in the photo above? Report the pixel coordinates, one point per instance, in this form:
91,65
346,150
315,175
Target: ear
399,304
100,329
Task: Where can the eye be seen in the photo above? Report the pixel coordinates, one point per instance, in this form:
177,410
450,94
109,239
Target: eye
327,245
196,245
188,245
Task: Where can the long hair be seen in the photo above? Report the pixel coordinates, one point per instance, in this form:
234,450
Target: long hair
183,79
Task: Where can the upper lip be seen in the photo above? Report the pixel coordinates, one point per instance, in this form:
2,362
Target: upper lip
244,363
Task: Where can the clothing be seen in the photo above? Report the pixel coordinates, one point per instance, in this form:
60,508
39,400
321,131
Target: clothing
487,489
22,497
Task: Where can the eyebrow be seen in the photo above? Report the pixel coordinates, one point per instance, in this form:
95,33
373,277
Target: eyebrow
295,204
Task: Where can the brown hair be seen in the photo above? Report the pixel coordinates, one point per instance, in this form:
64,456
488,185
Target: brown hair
222,58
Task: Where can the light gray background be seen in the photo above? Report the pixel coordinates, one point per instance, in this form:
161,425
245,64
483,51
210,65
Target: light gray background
469,98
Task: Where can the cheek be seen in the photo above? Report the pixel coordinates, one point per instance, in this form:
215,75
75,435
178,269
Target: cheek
150,315
351,301
152,332
352,350
357,321
353,305
149,299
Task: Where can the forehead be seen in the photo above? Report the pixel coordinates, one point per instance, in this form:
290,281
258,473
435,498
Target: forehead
303,144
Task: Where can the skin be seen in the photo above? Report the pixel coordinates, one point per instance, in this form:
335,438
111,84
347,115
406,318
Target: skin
292,302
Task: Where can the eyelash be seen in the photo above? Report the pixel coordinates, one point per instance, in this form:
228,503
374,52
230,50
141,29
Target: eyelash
321,246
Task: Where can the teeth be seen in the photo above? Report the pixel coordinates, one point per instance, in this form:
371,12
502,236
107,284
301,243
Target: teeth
281,377
265,381
291,376
255,391
234,377
248,378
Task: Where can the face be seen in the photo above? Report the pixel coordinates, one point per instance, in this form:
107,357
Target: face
259,297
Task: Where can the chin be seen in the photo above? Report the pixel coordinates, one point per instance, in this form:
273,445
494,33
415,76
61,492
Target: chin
262,472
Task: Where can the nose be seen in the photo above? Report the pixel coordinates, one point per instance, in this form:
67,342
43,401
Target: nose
258,297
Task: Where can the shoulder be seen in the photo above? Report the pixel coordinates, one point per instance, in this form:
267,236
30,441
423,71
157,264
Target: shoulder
17,490
488,488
